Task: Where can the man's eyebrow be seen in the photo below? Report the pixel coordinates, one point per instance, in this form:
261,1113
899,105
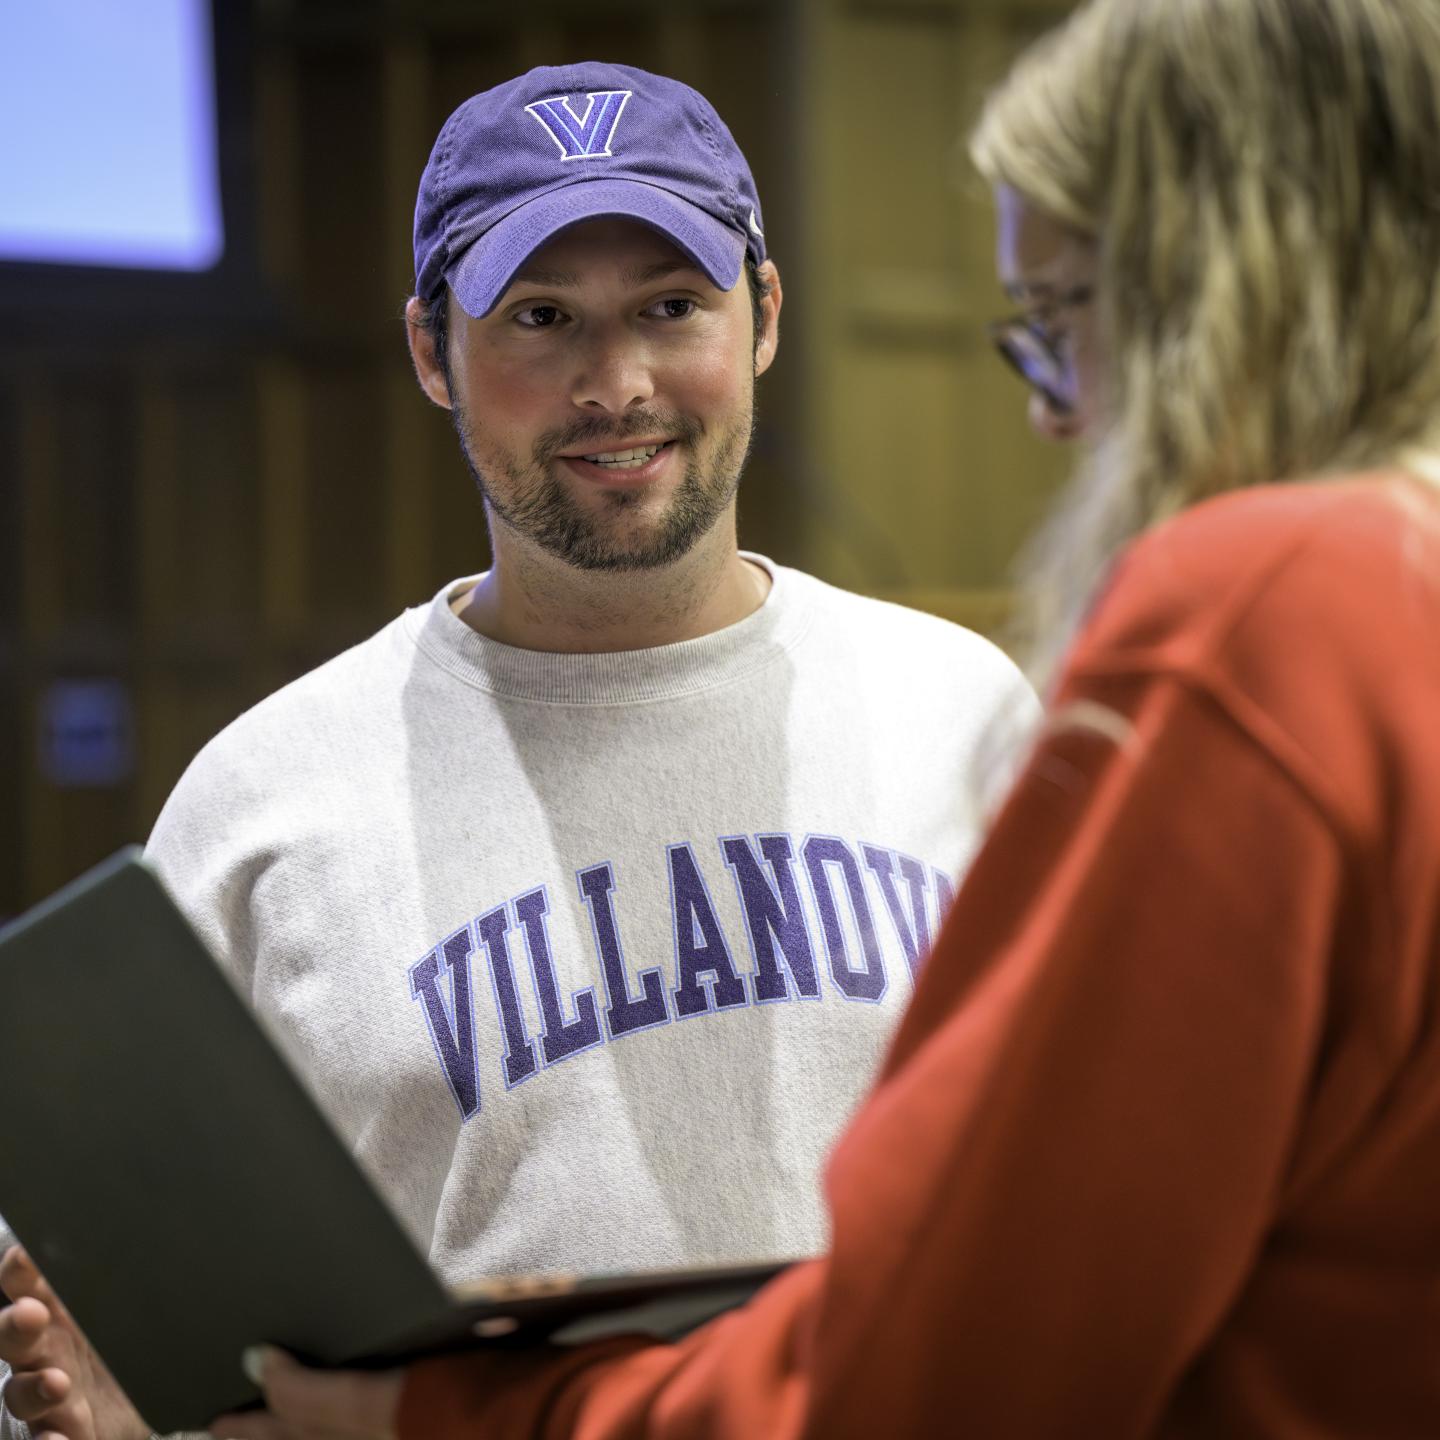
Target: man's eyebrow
559,279
647,274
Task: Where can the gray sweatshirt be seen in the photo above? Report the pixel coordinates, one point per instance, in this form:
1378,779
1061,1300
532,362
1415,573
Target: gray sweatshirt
589,957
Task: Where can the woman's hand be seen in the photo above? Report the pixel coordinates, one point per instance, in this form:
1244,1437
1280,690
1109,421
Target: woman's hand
314,1404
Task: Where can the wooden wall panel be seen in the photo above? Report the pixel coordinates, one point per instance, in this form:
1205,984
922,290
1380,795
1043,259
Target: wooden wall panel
280,484
212,531
461,65
631,38
15,763
903,437
70,828
339,143
926,471
10,488
94,498
892,141
345,558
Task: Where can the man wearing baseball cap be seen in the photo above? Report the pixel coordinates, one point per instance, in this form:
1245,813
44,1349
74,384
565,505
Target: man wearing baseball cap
587,894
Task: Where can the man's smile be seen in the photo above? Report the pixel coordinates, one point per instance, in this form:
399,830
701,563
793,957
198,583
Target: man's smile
634,462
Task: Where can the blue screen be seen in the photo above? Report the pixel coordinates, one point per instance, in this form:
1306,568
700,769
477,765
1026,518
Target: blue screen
108,147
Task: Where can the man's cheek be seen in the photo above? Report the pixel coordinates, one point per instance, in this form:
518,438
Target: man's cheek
712,388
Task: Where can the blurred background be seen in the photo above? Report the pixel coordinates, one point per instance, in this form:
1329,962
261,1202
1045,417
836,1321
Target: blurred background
216,469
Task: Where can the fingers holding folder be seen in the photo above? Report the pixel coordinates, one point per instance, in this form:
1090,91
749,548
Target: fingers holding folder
58,1386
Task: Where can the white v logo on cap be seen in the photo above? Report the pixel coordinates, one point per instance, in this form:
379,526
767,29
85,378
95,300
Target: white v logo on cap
582,137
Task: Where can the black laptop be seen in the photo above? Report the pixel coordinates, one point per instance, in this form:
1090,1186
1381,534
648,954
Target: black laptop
186,1198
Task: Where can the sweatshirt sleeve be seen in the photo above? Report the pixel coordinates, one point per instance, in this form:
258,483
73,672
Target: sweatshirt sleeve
10,1427
1079,1141
209,866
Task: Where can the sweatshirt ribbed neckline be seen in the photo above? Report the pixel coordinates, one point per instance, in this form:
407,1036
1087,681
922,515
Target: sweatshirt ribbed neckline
624,677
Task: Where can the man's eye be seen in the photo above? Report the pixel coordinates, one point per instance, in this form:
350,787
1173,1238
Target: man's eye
538,317
675,308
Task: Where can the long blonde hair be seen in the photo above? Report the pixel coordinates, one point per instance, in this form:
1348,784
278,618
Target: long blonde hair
1263,178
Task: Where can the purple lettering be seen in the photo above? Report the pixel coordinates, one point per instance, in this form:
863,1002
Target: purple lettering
452,1027
624,1013
824,853
520,1061
773,913
700,947
560,1038
913,930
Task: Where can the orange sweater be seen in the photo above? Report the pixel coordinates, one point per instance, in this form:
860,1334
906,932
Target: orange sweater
1157,1149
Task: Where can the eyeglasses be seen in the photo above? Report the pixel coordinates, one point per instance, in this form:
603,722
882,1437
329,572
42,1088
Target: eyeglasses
1025,342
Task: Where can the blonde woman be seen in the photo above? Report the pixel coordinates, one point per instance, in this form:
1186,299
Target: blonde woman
1157,1151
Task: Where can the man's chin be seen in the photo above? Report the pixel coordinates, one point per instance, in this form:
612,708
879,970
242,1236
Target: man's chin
618,532
627,535
633,557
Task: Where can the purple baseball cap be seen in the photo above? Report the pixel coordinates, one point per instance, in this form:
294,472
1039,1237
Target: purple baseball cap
514,166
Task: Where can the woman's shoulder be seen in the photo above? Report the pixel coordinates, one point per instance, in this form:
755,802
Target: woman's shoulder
1361,513
1348,554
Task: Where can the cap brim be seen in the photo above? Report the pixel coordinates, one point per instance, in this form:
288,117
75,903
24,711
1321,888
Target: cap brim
484,270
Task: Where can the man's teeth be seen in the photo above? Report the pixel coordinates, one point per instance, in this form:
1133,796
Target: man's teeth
625,459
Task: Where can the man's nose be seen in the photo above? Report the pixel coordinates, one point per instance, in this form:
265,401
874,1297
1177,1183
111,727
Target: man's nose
614,372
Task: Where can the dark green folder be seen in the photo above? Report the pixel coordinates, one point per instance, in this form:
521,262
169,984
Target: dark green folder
186,1198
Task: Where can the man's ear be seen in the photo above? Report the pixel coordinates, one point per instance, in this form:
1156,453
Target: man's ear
769,316
421,336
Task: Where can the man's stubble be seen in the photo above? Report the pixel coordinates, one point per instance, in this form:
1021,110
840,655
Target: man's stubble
538,507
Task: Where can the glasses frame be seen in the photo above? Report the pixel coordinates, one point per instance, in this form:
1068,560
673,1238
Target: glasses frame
1032,322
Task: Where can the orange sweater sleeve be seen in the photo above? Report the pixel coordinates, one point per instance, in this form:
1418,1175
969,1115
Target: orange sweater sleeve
1078,1144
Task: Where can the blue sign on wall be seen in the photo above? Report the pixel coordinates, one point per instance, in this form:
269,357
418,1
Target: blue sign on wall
87,733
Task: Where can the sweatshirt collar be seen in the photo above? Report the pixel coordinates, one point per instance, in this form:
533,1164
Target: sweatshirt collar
623,677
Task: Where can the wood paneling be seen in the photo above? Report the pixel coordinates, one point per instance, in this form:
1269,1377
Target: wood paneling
927,473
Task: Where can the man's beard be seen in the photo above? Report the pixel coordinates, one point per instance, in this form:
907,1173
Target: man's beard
540,508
